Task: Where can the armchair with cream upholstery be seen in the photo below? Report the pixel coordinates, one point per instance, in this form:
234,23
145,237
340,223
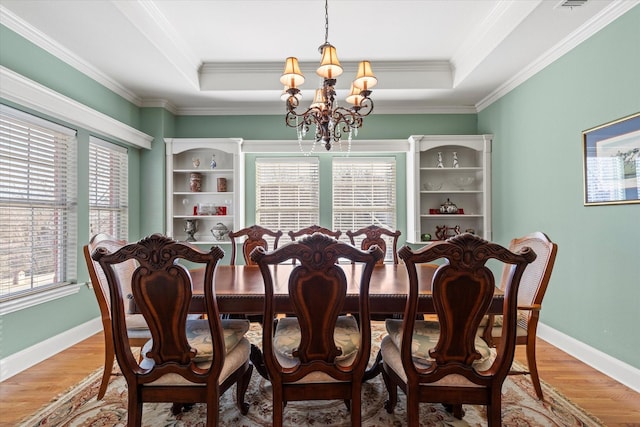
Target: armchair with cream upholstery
137,329
182,364
446,361
532,289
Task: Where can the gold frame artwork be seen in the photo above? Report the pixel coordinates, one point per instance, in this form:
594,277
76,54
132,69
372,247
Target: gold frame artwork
612,162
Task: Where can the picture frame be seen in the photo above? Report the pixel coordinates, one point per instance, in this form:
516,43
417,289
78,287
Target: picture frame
612,162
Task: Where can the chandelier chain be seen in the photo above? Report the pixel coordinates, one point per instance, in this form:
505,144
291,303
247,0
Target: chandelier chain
326,21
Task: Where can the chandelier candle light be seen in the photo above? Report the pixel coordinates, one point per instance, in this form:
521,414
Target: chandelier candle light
329,118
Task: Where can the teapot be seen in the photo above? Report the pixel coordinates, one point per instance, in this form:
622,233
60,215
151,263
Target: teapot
448,208
219,231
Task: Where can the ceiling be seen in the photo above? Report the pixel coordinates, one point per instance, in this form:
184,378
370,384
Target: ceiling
226,56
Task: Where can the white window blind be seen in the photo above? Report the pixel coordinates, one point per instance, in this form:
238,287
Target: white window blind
38,218
287,193
364,193
108,189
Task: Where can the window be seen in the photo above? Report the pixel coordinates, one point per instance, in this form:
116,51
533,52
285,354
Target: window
108,189
38,247
287,193
364,193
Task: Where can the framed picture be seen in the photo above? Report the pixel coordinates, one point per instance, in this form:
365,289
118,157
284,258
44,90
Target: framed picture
612,162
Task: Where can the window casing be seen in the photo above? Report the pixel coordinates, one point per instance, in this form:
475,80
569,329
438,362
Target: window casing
38,205
364,193
287,193
108,189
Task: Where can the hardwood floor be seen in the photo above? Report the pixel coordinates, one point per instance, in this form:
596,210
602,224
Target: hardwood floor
613,403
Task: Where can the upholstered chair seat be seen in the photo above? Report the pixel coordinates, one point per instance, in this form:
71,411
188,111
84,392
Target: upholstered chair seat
425,337
286,341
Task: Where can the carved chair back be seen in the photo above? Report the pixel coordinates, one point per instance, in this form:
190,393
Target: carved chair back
375,235
317,289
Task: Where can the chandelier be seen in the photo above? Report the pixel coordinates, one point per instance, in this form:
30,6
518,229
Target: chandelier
330,119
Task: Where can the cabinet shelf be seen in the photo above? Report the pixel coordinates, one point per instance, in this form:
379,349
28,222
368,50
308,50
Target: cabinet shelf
204,193
453,170
467,186
181,153
451,191
451,216
203,171
203,217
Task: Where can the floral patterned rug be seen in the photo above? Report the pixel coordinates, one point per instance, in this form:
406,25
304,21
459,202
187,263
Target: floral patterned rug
520,407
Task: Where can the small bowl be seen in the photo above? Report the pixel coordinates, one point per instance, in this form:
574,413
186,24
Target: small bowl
432,186
463,182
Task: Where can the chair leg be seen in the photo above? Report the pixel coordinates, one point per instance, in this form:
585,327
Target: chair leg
109,356
413,409
106,373
278,407
356,407
392,391
134,407
494,409
533,367
241,389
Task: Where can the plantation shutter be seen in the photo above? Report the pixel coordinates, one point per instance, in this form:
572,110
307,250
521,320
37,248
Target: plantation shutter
108,189
287,193
38,218
364,193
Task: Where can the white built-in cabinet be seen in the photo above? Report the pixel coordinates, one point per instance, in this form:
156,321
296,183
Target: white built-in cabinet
207,196
448,168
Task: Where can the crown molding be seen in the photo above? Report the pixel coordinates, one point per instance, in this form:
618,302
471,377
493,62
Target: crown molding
23,91
277,108
613,11
266,75
160,103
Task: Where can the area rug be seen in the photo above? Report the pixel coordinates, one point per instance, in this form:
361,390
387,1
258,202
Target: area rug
520,407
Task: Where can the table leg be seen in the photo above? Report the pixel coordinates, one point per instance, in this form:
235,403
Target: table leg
258,362
375,369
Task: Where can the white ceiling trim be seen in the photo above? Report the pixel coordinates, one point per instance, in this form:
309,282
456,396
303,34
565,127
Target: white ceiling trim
613,11
21,90
504,18
154,26
36,37
266,75
277,108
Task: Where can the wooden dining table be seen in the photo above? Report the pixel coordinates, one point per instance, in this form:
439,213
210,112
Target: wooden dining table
240,289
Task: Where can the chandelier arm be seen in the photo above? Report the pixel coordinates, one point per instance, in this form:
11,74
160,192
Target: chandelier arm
365,108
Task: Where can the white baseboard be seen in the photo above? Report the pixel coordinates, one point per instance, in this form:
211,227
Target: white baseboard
614,368
18,362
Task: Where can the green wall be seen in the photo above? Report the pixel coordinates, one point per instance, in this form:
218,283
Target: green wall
537,183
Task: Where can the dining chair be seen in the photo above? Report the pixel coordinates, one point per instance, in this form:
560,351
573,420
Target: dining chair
178,365
533,286
308,231
255,236
446,361
318,354
380,236
137,330
376,235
